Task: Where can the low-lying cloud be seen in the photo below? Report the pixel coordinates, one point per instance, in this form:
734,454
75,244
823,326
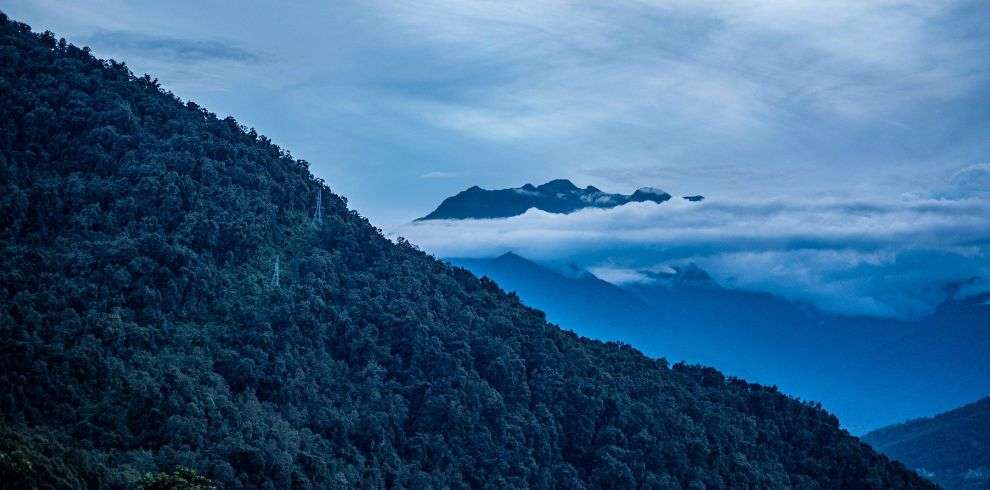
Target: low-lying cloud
876,256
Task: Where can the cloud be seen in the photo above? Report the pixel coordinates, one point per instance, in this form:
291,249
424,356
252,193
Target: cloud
968,182
878,256
170,48
708,67
439,175
618,275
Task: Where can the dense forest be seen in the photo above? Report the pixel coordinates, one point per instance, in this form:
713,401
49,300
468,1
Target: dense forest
952,448
174,307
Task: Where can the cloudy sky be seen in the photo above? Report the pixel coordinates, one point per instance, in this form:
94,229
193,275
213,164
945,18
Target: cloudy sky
843,145
398,104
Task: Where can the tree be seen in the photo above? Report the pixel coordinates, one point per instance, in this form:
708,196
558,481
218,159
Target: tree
180,479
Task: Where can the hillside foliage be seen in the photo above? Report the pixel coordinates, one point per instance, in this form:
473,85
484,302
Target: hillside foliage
141,332
952,448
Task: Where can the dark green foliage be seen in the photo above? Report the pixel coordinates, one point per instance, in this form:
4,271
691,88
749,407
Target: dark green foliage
29,460
139,329
952,448
180,479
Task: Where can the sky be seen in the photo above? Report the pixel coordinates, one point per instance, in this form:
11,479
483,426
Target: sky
399,104
843,146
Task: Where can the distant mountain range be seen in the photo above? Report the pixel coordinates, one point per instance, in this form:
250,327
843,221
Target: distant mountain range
870,371
556,196
952,449
581,301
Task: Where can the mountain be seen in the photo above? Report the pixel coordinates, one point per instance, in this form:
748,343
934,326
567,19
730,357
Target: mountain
870,371
176,306
583,302
556,196
952,449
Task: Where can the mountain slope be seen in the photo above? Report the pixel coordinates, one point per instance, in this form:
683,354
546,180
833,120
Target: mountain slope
584,303
870,371
556,196
952,448
144,326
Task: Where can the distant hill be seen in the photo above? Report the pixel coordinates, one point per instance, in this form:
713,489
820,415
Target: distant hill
582,302
870,371
556,196
952,449
175,305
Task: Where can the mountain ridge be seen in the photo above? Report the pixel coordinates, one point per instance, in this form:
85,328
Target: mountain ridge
559,196
951,448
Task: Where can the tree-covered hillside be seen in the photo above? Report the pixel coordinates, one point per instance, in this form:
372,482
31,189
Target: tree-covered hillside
143,330
952,448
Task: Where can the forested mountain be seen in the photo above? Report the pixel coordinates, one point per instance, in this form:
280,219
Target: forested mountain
556,196
953,448
870,371
171,296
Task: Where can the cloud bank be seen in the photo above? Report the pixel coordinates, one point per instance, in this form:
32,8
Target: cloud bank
879,256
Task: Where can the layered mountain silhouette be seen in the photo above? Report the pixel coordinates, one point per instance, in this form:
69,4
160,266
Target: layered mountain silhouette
556,196
182,302
952,449
580,301
871,371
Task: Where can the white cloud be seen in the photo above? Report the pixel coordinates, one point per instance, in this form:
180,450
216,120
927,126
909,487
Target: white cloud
708,67
973,180
871,256
439,175
616,275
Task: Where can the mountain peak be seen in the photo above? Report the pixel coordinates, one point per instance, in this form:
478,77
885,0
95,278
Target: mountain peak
510,255
556,196
558,185
650,190
653,194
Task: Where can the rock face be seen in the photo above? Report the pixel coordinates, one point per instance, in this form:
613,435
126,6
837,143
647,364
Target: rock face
556,196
